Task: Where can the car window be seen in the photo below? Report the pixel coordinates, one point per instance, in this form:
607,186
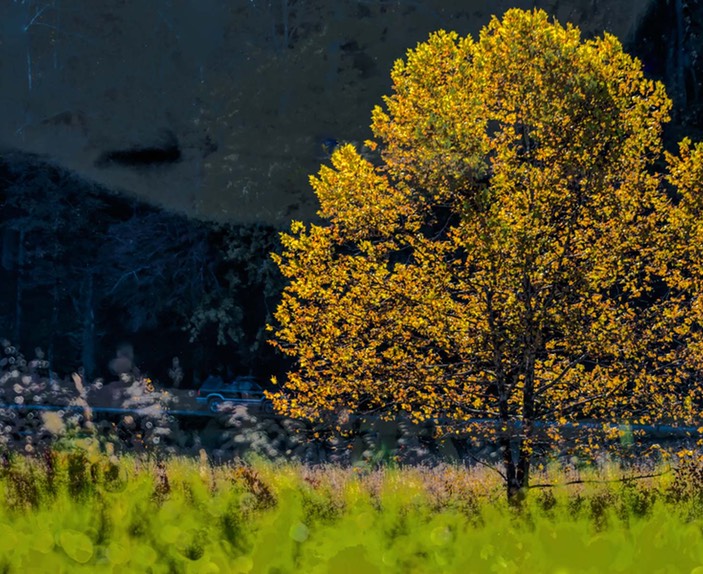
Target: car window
245,384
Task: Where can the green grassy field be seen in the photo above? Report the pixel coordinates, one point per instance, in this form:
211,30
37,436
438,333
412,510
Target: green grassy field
80,512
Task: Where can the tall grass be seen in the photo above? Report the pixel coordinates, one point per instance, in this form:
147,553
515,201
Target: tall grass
74,512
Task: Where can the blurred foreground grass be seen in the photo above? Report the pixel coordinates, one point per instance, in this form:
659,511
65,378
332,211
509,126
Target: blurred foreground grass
88,512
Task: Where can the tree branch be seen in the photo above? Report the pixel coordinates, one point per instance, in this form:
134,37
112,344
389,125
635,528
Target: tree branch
581,481
556,381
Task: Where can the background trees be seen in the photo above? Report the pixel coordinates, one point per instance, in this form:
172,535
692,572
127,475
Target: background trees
509,259
83,271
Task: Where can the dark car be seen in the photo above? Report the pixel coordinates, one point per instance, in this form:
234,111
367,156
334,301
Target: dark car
243,390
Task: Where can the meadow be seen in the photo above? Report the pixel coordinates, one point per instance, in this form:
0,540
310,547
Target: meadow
79,510
136,493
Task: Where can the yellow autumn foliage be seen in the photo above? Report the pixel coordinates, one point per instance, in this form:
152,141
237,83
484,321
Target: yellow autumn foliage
514,255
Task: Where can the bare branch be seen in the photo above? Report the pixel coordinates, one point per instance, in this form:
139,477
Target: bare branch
612,480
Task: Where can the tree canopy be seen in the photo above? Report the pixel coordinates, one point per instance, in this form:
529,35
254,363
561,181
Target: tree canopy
513,254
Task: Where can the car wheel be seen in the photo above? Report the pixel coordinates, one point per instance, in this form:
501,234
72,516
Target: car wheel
268,407
214,405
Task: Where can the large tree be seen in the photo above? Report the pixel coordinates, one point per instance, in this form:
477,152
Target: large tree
506,259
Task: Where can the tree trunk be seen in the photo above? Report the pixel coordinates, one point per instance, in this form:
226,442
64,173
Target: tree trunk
517,468
55,291
54,322
517,473
513,484
524,450
19,289
8,249
461,447
88,335
523,468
